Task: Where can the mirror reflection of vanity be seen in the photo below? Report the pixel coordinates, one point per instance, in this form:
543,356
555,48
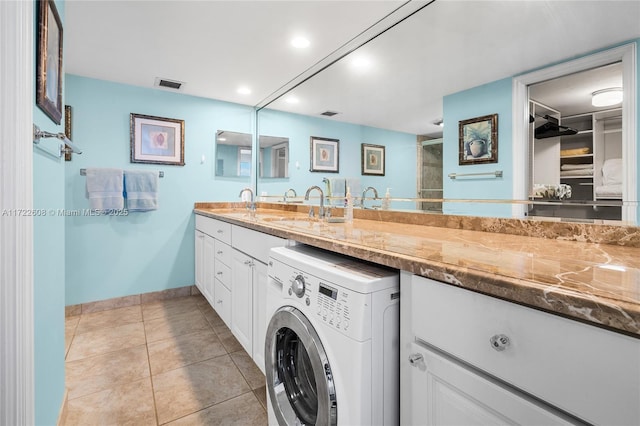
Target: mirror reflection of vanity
462,72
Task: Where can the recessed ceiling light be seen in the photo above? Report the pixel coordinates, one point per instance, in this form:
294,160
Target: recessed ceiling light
300,42
606,97
361,62
292,100
244,90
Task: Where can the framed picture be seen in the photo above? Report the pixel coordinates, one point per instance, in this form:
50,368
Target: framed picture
324,155
372,159
49,62
478,138
157,140
67,130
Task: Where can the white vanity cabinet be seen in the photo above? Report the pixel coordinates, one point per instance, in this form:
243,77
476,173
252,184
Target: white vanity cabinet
231,272
213,264
468,356
249,320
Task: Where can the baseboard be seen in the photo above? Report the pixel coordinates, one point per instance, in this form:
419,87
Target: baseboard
136,299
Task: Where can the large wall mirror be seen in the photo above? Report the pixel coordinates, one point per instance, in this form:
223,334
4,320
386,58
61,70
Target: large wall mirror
454,61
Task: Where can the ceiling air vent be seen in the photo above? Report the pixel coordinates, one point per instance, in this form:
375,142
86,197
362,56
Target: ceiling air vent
329,113
169,84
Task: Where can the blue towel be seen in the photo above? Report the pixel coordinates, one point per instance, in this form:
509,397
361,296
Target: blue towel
104,189
141,190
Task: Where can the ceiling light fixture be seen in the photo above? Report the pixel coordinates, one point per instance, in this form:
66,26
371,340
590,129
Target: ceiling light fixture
439,122
244,90
300,42
292,100
606,97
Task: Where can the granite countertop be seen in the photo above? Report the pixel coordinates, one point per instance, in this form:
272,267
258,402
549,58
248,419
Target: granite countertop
585,272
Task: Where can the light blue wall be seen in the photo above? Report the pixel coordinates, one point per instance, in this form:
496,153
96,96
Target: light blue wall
113,256
49,267
400,152
492,98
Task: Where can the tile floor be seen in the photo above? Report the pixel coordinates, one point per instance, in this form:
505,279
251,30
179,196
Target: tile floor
168,362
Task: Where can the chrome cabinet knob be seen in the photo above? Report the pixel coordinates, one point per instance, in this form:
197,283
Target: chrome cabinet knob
415,359
500,342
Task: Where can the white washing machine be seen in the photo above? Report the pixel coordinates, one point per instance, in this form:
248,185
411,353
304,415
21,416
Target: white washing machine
332,346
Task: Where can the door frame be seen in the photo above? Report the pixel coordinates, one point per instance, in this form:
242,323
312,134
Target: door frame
16,229
625,53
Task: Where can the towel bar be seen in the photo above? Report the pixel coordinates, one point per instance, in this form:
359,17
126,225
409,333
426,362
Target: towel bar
497,173
83,172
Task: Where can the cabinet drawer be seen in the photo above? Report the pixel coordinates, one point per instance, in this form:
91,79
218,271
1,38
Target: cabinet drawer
223,252
254,243
589,372
222,303
223,273
215,228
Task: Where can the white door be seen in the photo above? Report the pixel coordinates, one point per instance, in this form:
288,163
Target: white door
445,392
260,319
242,299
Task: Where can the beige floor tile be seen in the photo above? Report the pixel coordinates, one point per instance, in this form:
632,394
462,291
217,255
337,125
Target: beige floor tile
112,318
248,368
197,386
176,325
243,410
70,325
212,316
174,352
106,340
128,404
229,341
89,375
200,299
261,394
169,307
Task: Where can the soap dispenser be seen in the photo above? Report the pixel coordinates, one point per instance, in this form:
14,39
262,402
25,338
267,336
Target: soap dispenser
386,201
348,206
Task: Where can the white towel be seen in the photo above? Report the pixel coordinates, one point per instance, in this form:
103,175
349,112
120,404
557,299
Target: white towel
104,189
338,190
353,183
612,172
141,189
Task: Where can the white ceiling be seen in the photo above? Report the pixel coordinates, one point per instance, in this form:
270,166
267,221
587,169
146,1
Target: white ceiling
216,46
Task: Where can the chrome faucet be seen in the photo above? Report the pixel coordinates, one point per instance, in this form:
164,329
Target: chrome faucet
252,205
364,193
321,208
286,194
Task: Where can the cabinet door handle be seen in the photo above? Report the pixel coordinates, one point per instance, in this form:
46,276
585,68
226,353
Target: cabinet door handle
219,302
219,272
219,252
248,262
220,231
414,359
500,342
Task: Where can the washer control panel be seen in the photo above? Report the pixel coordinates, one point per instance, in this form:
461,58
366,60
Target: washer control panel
343,310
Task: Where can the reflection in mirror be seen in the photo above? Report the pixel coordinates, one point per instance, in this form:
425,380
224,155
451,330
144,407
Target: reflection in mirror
420,73
274,156
233,154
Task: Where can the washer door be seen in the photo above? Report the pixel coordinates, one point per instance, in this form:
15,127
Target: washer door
299,377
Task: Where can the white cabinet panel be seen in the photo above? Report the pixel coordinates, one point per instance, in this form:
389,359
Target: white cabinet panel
445,392
242,300
208,260
592,373
260,320
222,303
255,244
199,252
